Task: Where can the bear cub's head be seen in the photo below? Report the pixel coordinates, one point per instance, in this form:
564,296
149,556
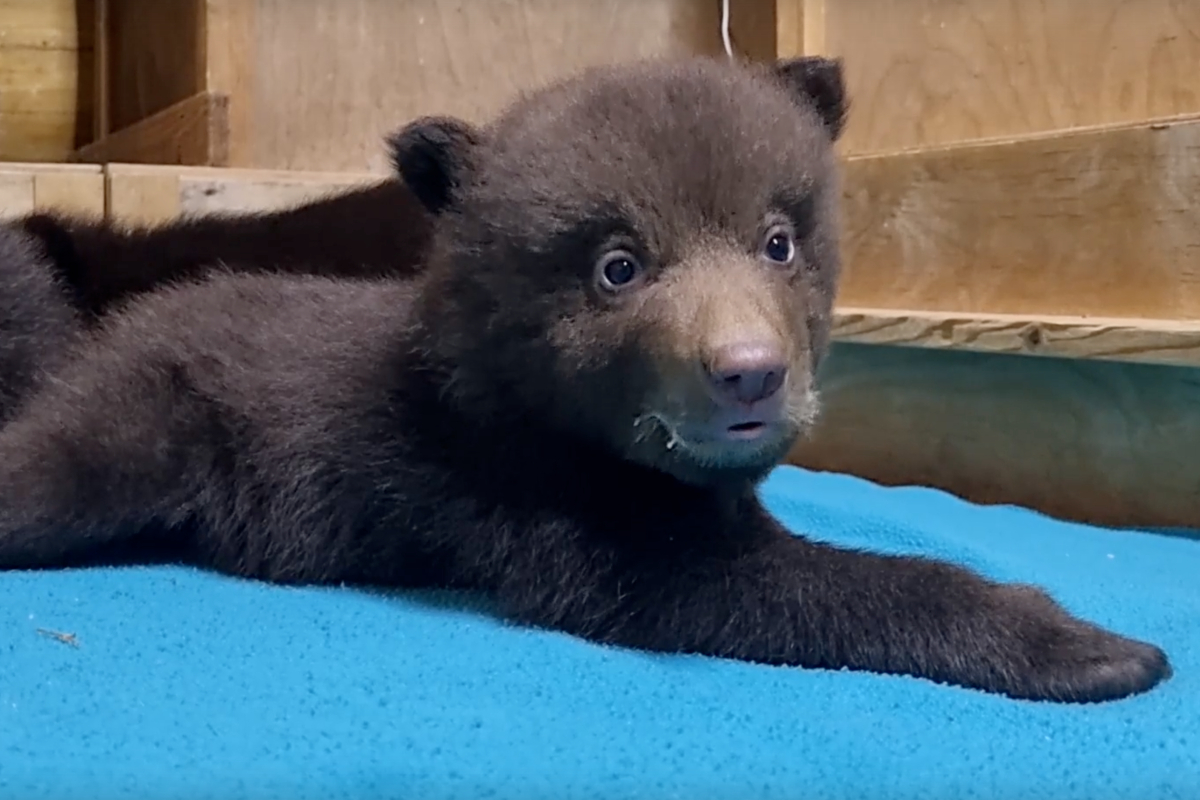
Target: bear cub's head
642,255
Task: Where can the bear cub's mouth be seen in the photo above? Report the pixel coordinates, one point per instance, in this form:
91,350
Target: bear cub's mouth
746,430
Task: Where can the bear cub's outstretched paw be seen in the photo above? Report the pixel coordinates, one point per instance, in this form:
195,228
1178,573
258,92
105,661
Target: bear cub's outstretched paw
1069,660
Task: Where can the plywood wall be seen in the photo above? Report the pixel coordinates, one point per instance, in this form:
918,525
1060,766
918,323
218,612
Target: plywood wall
45,78
927,72
1100,221
323,107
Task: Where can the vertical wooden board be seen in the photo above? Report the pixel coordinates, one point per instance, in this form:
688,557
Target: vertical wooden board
789,30
814,24
1100,442
925,72
227,53
16,193
101,124
332,76
141,196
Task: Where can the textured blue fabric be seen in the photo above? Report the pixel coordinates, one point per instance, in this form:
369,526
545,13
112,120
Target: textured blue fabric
189,685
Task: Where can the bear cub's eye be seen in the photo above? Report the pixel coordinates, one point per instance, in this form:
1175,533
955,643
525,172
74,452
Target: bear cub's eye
779,245
618,270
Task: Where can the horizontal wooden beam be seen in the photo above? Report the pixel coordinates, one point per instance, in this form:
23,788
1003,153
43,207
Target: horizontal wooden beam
1092,222
71,188
1143,340
193,132
149,194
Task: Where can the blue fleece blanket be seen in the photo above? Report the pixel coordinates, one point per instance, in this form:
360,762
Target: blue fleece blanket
182,684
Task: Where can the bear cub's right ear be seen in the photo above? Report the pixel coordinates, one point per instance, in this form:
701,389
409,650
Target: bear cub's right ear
433,155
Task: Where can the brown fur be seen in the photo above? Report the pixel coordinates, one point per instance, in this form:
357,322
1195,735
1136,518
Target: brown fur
522,420
377,230
37,322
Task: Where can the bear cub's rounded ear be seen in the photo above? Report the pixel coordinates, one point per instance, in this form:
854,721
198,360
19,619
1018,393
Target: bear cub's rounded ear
433,155
818,81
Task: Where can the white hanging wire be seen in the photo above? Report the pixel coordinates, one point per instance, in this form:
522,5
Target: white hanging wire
725,28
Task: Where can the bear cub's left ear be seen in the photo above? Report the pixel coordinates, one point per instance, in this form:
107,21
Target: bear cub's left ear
434,155
818,81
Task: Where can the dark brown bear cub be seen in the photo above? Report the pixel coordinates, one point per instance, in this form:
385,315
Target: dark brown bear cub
38,324
626,298
373,231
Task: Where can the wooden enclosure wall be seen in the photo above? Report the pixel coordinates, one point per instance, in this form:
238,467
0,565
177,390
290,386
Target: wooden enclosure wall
1021,177
75,188
1019,319
45,78
930,72
314,84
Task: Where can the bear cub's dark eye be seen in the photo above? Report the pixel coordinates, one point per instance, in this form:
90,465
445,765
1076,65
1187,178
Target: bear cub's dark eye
779,246
618,270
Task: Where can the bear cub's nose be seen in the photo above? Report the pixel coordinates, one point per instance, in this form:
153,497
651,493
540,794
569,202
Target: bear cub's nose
747,372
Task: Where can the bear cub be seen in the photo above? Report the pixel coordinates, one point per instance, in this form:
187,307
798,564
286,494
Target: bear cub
614,337
68,272
366,232
38,321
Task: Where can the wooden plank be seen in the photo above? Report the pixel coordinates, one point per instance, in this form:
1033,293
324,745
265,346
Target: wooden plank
1143,340
16,193
789,31
41,25
194,131
140,197
926,72
45,95
1100,442
226,54
101,125
229,194
151,193
28,187
1097,222
74,192
814,26
332,76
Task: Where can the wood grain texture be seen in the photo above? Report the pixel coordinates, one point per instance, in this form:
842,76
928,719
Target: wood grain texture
1084,438
1111,339
926,72
137,196
28,187
45,78
152,52
16,193
226,60
1097,222
754,28
101,125
72,192
192,132
147,193
330,77
1099,442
